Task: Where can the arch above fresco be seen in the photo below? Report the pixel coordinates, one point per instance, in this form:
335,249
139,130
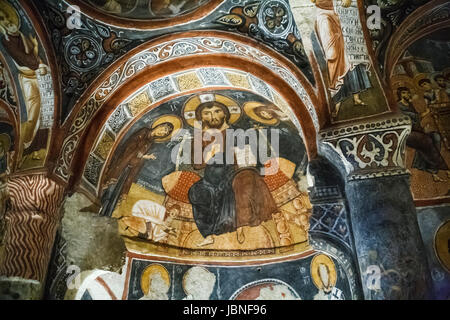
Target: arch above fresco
176,53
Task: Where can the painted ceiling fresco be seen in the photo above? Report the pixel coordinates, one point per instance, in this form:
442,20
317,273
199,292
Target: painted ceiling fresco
303,279
421,85
161,89
87,50
146,9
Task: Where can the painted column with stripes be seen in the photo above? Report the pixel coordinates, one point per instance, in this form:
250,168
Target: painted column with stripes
32,218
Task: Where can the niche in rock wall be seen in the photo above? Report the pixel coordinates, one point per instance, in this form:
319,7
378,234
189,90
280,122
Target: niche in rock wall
239,191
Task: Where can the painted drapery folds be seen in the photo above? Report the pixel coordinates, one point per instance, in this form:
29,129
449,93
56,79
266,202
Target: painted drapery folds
225,203
333,31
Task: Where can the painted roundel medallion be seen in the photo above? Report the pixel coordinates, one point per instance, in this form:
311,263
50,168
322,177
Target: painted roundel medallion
274,18
83,53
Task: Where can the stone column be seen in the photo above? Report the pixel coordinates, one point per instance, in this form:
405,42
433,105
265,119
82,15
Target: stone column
31,220
390,251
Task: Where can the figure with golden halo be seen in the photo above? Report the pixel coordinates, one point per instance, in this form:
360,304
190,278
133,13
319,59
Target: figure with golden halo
127,162
155,283
228,197
324,276
24,50
288,156
344,79
427,156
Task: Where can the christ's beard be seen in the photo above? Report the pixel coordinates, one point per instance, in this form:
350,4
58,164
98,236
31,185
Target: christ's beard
215,124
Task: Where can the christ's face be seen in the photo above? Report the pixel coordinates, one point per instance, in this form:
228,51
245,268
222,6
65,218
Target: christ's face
213,117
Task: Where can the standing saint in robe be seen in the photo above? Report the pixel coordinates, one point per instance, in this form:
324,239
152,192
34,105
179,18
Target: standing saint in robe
128,162
24,51
344,79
